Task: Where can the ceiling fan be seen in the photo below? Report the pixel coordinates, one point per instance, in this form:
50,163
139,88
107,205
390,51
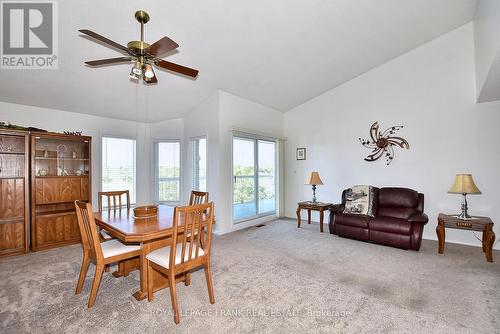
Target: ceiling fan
142,54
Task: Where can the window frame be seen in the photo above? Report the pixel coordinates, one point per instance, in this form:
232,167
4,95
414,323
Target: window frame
191,141
156,190
133,201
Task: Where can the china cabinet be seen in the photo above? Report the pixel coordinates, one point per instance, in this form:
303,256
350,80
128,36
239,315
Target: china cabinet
60,174
14,192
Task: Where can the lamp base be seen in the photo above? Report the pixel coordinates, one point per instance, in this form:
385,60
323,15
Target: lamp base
464,215
314,194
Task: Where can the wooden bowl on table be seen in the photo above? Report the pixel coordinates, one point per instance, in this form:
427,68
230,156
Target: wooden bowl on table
147,211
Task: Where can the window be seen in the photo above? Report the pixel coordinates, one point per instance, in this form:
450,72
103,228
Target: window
254,177
118,165
199,163
168,171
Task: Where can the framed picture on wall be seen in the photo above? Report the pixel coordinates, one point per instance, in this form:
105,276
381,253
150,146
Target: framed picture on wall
301,153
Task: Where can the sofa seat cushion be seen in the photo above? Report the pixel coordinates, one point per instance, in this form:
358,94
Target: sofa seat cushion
352,232
352,220
390,225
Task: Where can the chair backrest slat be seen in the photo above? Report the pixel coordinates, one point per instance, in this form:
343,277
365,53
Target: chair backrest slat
88,230
112,197
192,225
198,197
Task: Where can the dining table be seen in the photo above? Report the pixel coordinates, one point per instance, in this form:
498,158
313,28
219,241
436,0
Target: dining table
151,233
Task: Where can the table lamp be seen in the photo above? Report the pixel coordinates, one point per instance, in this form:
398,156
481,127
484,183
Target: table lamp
314,180
464,184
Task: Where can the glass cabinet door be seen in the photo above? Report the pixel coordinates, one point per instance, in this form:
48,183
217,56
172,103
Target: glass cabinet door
54,157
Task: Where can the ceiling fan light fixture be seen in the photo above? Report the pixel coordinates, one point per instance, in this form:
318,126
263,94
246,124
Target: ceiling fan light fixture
142,54
147,71
134,75
137,68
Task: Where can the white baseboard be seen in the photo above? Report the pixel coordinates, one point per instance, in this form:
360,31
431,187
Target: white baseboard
247,224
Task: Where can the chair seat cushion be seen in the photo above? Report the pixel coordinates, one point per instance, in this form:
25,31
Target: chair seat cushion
161,256
106,235
115,247
390,225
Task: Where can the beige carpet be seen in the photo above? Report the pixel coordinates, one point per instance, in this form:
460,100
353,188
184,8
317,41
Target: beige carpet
272,279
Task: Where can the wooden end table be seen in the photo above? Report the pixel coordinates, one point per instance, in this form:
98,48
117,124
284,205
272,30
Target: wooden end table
310,206
480,224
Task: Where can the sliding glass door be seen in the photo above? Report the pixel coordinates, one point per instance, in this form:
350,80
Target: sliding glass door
254,178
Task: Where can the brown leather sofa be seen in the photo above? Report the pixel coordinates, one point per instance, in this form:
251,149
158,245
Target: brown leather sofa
399,219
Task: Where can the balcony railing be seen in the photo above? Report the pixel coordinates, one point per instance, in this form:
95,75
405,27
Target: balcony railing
244,204
168,189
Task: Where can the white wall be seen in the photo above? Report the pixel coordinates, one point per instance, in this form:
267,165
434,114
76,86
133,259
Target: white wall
431,91
487,49
216,118
97,127
204,121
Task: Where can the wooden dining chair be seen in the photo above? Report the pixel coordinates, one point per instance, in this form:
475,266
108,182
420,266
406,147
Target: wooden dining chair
192,228
198,197
99,253
114,202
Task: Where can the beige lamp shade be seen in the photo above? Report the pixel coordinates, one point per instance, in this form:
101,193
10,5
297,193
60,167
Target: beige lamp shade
464,184
313,179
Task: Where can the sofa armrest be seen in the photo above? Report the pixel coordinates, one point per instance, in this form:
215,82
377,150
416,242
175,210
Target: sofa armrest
418,218
337,208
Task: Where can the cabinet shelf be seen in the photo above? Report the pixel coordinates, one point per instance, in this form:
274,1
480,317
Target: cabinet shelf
66,159
12,153
60,176
11,220
55,212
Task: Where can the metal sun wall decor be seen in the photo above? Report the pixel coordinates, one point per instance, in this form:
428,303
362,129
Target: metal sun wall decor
381,143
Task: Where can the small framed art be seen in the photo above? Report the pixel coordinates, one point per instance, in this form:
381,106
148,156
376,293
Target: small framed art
301,153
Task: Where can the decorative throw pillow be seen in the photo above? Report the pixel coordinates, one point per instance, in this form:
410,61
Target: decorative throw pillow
359,201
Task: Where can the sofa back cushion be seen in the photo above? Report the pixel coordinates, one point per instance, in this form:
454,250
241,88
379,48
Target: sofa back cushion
396,212
397,197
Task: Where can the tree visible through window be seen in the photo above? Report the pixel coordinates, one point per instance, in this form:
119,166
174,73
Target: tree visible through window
118,165
168,171
199,164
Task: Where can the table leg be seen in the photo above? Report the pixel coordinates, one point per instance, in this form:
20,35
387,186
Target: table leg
484,242
441,237
125,267
143,291
321,215
298,217
120,271
309,216
159,281
490,240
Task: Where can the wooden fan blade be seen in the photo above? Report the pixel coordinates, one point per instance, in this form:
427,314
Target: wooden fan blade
176,68
162,46
104,40
108,61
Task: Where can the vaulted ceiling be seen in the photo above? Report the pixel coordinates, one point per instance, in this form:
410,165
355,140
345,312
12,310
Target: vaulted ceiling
279,53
